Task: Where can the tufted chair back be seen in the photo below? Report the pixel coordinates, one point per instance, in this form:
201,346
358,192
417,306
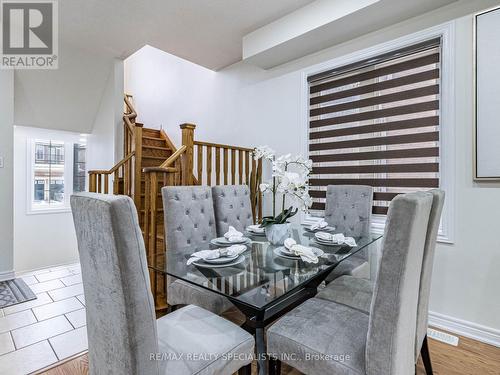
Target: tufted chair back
348,209
121,321
232,207
189,217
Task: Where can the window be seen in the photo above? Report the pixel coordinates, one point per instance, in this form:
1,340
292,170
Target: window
48,174
79,167
377,122
57,170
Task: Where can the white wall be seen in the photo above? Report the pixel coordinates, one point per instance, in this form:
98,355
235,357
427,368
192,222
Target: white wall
169,91
42,239
105,145
66,98
6,173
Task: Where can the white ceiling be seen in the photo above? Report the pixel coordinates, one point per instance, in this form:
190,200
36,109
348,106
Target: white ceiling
206,32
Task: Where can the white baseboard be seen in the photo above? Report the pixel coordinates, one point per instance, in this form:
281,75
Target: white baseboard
7,275
467,329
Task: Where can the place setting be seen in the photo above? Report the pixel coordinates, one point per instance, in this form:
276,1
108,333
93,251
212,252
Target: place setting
256,230
321,225
218,258
333,239
294,251
231,237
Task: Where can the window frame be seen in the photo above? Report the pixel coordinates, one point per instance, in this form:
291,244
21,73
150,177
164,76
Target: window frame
447,113
68,177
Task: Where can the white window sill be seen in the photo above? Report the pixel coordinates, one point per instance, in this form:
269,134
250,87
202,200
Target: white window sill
48,211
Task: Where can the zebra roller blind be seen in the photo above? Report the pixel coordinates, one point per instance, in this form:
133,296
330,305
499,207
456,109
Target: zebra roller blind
377,123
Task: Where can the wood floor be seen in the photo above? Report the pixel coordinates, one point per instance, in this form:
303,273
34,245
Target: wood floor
470,357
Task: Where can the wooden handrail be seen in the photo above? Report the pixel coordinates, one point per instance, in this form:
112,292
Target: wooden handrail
115,168
160,170
172,159
222,146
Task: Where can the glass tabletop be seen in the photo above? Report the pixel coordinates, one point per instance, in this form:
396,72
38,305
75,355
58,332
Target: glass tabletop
264,276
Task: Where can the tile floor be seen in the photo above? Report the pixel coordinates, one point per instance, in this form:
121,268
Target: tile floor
38,333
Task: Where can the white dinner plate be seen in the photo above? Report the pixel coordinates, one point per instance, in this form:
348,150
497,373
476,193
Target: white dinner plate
222,260
279,252
203,264
222,241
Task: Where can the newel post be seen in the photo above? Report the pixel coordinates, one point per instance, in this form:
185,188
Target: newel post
188,141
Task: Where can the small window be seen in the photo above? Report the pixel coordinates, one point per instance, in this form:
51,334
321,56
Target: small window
58,169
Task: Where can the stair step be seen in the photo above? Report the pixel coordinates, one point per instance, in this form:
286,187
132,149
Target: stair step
153,141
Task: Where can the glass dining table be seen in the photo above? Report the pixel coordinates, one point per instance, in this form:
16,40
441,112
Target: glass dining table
265,285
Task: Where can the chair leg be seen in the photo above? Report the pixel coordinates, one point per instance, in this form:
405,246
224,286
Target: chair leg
247,370
426,358
274,366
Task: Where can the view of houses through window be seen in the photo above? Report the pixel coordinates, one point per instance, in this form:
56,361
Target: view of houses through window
51,180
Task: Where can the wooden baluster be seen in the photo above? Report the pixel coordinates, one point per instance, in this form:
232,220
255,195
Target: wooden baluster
199,163
138,165
116,179
93,183
226,166
153,214
99,183
247,167
188,141
217,166
106,183
147,194
240,166
259,193
126,178
233,166
209,165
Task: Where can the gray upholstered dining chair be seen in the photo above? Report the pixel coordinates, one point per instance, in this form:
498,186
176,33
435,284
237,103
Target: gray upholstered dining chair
233,207
123,333
190,225
321,333
357,292
348,208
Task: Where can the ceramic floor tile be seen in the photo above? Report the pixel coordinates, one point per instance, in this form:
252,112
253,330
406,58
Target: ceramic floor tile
64,266
54,275
56,308
72,280
29,280
28,359
40,331
42,299
77,318
81,298
6,343
69,291
46,286
70,343
17,320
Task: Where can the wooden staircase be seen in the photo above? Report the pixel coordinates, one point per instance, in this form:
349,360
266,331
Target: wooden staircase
152,161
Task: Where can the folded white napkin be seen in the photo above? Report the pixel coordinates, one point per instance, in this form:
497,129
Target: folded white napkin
232,235
305,253
255,228
230,251
337,238
319,225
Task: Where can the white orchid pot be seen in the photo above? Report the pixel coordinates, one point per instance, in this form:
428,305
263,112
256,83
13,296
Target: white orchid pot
276,234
